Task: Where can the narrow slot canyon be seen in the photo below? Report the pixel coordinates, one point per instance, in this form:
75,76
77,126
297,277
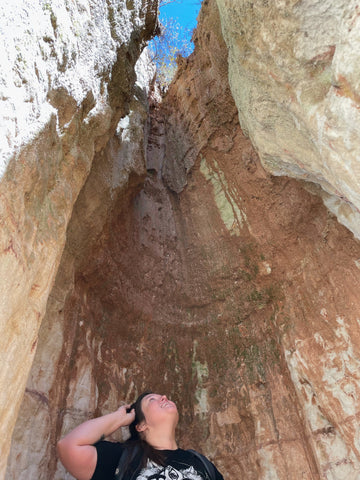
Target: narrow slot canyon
199,244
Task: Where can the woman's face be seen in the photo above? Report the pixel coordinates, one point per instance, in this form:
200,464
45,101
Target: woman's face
158,409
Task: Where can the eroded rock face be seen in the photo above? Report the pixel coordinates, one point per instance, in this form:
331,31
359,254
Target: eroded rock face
231,290
293,275
67,78
117,171
295,80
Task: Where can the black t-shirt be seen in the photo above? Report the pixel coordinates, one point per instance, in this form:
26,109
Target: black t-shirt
179,465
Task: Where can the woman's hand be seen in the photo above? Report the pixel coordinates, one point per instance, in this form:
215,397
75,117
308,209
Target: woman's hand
125,417
76,450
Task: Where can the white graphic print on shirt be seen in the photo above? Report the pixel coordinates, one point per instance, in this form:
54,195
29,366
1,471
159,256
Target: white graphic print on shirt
155,472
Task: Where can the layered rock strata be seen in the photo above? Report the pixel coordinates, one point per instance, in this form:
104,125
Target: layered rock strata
294,75
67,78
231,290
304,362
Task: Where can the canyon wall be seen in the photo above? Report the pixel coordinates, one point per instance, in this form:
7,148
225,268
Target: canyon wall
292,376
191,269
294,75
67,78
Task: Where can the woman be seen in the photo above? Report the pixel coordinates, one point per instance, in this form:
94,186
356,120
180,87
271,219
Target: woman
151,453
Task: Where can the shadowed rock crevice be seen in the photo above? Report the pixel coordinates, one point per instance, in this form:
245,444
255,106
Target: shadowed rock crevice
191,270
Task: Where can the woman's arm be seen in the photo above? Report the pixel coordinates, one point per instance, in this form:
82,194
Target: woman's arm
76,450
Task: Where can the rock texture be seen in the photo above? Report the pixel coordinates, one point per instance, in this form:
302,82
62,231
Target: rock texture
67,78
117,171
286,377
206,277
295,80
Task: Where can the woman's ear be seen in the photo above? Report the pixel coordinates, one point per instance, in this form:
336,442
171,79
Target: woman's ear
141,427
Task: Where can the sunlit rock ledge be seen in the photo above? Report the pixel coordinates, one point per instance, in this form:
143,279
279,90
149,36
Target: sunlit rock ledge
294,71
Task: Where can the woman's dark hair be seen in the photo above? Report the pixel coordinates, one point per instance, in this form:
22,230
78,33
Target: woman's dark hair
136,442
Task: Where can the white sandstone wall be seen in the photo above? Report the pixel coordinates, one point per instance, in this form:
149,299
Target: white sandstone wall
67,77
33,455
294,70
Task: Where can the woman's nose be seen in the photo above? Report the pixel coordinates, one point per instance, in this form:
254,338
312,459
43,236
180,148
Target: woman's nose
163,397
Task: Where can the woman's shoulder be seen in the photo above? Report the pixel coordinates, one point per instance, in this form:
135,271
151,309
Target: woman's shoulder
108,455
109,447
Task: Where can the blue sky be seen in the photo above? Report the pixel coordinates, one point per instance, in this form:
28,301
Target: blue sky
178,19
185,11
